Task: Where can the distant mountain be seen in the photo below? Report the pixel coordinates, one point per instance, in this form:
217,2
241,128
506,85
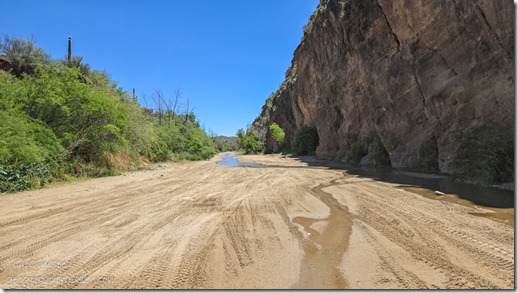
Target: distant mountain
221,141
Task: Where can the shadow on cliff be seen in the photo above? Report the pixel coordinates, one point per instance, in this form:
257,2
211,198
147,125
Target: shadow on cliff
482,195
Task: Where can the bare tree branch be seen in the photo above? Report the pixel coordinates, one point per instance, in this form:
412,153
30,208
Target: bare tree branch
177,96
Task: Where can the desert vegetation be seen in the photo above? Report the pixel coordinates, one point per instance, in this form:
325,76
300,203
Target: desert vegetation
369,146
485,153
305,141
59,118
278,135
247,142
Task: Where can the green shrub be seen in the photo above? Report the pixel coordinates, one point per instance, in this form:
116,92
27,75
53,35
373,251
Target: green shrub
20,176
60,117
198,146
277,133
428,156
378,154
22,54
89,122
357,153
360,148
247,142
140,132
305,141
369,144
30,154
485,153
225,147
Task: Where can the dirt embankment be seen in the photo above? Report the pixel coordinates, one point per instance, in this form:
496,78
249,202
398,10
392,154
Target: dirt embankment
200,225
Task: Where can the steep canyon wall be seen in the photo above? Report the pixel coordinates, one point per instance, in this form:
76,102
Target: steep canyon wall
417,72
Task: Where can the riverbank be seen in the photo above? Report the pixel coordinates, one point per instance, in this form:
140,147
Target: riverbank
495,196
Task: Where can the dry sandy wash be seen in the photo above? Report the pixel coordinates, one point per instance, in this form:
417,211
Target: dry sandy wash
201,225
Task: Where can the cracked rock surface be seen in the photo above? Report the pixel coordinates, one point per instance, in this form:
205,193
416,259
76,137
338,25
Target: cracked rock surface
415,71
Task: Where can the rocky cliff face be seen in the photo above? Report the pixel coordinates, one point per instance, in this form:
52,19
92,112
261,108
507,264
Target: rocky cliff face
416,72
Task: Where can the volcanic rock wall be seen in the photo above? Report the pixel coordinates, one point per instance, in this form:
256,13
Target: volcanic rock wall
417,72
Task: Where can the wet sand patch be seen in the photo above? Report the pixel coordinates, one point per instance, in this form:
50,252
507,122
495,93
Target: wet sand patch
323,250
504,215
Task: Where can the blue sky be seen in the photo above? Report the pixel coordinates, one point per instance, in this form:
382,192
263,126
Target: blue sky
225,56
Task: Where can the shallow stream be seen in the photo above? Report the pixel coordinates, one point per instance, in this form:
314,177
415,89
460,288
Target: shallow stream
232,161
487,196
482,195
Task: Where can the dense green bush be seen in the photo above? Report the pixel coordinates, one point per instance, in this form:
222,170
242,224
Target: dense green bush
277,133
198,146
23,55
141,132
16,177
369,144
305,141
247,142
360,148
30,153
486,153
428,156
63,117
87,121
378,154
24,140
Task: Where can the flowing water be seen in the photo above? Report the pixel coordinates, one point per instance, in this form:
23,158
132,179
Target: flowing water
487,196
482,195
232,161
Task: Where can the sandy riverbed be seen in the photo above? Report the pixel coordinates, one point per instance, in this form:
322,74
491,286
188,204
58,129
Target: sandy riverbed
201,225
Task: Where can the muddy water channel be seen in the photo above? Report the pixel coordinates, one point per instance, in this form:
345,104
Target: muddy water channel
325,250
327,238
496,202
481,195
487,196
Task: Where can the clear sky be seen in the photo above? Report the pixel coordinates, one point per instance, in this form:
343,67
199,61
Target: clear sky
226,56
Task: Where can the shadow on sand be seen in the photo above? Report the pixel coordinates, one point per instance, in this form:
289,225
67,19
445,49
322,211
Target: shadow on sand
482,195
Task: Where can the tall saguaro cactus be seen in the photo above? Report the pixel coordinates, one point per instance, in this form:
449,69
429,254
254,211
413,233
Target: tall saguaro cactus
69,56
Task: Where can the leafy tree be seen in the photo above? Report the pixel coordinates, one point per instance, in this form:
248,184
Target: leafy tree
241,139
22,54
486,153
77,62
277,133
305,141
247,142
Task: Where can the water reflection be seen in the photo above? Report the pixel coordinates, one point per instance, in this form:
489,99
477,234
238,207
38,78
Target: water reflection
231,160
481,195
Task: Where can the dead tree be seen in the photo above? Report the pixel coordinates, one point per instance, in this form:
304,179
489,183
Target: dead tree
175,103
158,95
